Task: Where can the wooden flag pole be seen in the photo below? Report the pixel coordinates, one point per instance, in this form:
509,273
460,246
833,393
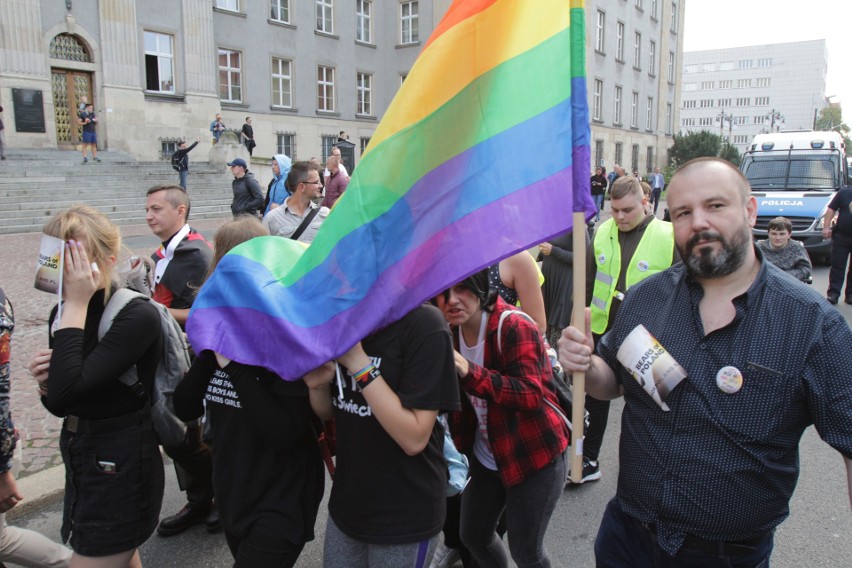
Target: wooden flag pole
578,320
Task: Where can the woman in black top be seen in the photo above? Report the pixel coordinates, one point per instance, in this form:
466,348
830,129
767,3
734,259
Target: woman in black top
599,183
113,468
267,469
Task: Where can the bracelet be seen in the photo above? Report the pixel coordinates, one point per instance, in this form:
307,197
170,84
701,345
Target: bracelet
367,375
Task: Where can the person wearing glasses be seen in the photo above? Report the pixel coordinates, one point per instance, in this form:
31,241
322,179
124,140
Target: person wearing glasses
336,182
299,217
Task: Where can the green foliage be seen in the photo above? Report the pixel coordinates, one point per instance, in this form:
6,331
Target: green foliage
831,118
694,145
729,152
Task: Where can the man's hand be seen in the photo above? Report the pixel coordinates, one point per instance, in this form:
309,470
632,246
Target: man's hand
9,494
576,347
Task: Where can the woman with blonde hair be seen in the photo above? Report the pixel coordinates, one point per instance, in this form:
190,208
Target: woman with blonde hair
113,468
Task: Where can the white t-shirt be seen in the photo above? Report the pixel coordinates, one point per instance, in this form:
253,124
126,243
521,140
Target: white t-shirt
481,443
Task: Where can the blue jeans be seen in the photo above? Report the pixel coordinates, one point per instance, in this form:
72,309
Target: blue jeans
599,202
183,175
529,506
623,542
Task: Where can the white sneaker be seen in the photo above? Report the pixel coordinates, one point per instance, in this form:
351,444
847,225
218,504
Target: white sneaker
444,556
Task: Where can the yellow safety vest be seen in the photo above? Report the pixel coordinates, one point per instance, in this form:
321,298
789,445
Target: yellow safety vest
653,254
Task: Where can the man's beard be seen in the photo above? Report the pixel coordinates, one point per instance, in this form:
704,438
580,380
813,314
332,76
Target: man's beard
705,264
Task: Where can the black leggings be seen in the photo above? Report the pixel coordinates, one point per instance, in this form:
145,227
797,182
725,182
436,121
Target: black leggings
259,549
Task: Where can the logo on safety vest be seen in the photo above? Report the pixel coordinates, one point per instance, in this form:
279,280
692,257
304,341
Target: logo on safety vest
601,259
642,265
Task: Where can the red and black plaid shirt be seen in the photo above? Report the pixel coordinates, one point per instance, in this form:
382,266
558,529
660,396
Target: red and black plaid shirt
525,433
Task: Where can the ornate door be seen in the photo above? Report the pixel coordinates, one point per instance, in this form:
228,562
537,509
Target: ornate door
69,88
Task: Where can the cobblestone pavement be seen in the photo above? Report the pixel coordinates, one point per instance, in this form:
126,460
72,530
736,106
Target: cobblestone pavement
39,430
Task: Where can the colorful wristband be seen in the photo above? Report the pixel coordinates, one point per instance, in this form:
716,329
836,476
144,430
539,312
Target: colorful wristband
367,375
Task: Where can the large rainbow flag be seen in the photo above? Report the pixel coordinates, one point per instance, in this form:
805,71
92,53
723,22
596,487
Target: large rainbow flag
483,152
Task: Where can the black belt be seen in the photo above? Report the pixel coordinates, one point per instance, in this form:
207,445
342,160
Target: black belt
716,547
77,425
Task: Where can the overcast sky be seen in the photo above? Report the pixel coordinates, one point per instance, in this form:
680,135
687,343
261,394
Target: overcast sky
715,24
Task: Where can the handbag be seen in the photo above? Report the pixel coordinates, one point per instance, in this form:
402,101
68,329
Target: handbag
458,467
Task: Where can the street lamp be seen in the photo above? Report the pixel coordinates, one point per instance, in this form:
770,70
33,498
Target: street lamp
721,118
773,116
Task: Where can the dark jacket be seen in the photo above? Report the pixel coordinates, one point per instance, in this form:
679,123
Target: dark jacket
247,195
183,158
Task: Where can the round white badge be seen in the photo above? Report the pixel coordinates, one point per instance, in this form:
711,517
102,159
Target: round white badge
729,379
602,258
642,266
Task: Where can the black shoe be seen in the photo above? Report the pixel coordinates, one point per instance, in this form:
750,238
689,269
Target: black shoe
848,300
832,298
211,522
182,520
591,472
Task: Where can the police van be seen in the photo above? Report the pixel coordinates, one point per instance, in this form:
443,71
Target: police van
795,174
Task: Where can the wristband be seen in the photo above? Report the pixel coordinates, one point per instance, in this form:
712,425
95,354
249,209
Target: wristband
367,375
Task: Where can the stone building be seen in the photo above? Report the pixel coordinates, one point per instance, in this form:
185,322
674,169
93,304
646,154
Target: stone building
743,91
158,71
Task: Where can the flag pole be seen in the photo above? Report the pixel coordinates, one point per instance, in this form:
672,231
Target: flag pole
578,321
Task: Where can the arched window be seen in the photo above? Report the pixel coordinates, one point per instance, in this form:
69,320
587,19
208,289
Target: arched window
68,48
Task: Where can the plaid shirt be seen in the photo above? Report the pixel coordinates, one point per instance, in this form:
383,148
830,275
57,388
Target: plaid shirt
524,432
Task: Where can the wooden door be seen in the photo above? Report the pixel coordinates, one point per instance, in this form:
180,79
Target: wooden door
69,88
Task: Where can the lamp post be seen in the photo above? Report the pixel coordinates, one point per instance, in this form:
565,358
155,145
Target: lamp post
721,118
773,116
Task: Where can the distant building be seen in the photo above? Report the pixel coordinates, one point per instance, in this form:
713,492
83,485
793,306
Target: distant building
743,91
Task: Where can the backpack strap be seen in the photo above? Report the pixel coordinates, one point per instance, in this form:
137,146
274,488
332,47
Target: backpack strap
305,222
117,302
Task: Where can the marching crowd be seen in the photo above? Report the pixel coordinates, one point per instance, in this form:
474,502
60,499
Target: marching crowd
679,322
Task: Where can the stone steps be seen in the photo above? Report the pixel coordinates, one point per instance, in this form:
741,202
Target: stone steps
35,184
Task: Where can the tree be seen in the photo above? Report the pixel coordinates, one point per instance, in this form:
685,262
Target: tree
694,145
729,152
831,118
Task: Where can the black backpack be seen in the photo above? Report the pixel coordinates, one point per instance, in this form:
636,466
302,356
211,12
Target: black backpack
176,160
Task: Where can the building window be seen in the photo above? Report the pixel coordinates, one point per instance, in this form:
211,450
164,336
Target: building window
761,101
598,100
230,5
619,41
687,121
230,76
634,110
364,88
365,141
763,81
690,86
159,63
708,67
649,114
649,159
668,118
637,50
671,75
325,16
279,11
168,146
724,102
599,32
726,84
743,83
674,17
743,101
634,158
287,144
707,85
619,153
652,58
705,121
744,64
689,104
282,83
68,48
363,21
706,103
410,20
616,109
599,159
653,9
764,62
328,141
741,139
325,89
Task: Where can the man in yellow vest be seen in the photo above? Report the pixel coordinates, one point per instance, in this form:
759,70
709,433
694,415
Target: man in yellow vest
627,248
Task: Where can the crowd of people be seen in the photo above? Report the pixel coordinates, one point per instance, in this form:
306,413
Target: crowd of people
708,451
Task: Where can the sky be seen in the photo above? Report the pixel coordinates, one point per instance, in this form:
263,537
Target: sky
717,24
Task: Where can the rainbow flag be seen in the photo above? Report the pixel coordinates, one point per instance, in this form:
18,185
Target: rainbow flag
483,152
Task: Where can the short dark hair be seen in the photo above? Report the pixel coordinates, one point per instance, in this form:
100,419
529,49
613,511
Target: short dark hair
175,195
299,174
624,186
477,283
780,224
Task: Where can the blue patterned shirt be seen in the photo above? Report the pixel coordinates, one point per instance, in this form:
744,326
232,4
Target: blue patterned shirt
724,466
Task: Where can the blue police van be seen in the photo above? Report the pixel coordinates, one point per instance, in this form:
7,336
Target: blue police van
795,175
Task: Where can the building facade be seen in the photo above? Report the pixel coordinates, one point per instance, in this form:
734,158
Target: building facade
740,92
159,71
634,50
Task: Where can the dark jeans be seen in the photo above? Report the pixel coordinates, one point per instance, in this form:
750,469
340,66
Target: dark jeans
259,549
655,197
841,248
528,505
598,418
183,175
623,542
194,467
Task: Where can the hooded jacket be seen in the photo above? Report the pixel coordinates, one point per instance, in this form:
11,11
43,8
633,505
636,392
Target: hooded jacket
277,190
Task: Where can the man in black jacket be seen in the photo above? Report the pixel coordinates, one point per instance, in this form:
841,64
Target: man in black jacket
182,159
248,198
